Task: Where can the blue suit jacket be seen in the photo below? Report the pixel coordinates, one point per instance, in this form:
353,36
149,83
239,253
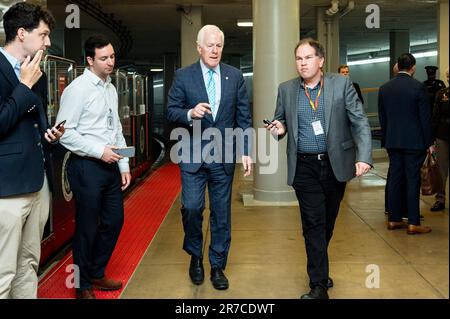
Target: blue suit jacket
23,122
188,89
404,114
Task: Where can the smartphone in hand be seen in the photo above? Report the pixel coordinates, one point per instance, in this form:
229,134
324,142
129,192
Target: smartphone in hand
266,121
60,124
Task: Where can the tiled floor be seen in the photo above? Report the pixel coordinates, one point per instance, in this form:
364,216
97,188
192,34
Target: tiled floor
267,257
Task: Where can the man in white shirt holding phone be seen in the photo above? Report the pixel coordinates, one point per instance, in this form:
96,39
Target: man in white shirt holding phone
97,174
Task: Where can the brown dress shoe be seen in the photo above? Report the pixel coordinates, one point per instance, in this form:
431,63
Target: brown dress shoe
417,229
106,284
85,294
396,225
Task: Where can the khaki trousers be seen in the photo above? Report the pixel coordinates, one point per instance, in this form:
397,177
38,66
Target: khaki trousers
22,222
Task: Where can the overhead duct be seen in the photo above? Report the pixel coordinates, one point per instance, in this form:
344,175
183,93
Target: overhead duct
334,8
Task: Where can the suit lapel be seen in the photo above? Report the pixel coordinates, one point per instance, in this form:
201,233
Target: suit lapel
328,98
38,89
8,71
200,83
293,103
223,86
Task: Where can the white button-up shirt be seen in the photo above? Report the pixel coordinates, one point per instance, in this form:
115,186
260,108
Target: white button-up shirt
87,104
217,81
218,84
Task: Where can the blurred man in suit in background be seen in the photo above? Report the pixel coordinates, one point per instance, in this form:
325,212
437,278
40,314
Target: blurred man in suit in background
405,121
345,71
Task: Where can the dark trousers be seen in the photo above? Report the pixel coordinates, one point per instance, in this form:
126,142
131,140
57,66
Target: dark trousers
386,199
99,215
193,204
319,195
404,178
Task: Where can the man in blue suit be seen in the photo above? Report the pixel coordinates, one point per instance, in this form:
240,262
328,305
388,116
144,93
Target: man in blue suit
25,170
405,120
209,98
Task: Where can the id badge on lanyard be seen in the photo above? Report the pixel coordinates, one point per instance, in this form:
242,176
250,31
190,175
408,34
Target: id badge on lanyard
317,126
110,120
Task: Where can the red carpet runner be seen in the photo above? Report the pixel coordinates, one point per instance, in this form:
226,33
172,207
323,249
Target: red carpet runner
145,209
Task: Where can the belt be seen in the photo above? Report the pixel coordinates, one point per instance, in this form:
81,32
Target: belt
319,157
73,155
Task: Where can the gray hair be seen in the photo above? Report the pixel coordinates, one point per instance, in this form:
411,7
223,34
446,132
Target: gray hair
206,28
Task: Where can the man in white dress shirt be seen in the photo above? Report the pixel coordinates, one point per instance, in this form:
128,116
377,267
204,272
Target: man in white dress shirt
97,175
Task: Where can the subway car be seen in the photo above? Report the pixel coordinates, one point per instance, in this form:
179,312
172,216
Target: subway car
134,106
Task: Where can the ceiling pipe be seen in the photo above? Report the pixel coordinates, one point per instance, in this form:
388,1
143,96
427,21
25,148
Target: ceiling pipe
334,8
350,6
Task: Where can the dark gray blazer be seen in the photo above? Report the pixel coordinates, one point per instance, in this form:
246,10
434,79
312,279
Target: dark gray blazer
346,126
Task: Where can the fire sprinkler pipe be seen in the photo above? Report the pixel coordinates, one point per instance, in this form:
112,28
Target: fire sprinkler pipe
350,6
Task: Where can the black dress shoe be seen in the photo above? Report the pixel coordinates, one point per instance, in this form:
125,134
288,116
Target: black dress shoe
318,292
196,271
218,279
330,283
437,206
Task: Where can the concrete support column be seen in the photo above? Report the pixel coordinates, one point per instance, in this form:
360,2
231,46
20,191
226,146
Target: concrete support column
328,35
276,29
73,45
191,23
342,55
443,38
398,44
332,48
321,26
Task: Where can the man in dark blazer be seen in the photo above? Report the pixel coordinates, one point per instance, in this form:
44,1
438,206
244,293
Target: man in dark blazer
208,98
329,143
405,122
345,71
25,170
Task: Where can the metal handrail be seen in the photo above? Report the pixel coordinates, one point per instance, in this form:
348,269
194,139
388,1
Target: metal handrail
57,58
46,64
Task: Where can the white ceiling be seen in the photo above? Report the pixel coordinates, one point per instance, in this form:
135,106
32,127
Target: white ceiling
155,24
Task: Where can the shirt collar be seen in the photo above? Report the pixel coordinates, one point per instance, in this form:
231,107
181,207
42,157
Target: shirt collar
205,69
95,79
404,72
302,83
12,60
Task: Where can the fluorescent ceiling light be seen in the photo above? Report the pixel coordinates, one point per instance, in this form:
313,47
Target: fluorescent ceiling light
156,70
368,61
386,59
244,23
425,54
